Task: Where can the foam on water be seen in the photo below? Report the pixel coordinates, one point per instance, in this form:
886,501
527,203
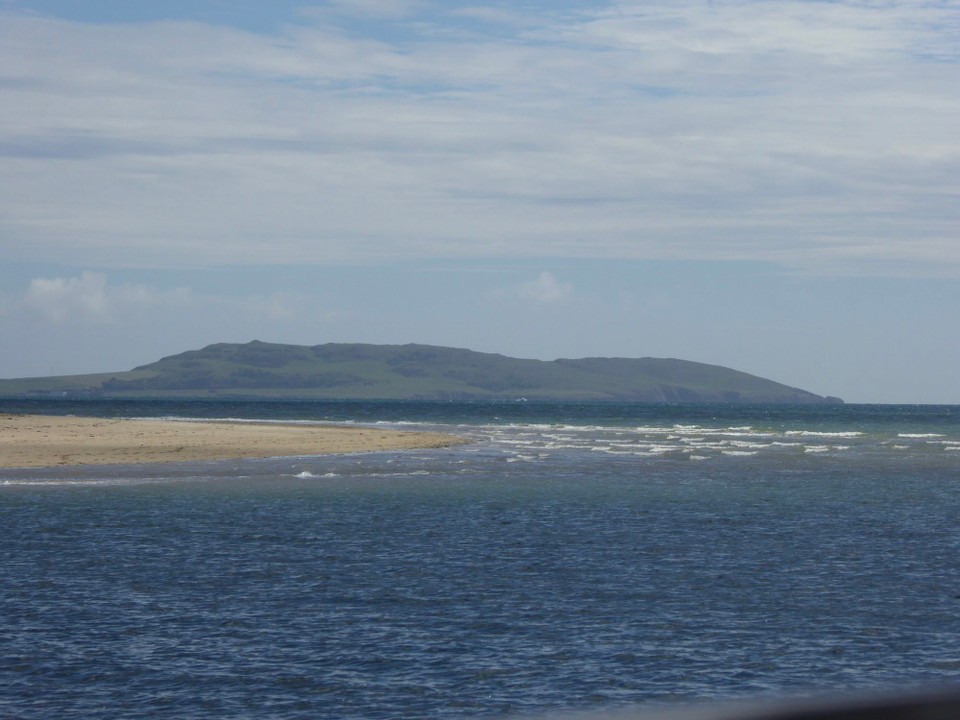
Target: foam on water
708,441
308,474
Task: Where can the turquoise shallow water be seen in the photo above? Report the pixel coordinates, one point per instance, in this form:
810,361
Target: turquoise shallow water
570,557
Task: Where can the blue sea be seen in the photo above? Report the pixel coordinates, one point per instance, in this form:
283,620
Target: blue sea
569,557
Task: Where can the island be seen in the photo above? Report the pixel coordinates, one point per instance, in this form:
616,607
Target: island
352,371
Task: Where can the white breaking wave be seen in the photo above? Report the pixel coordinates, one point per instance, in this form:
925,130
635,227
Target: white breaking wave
816,433
521,442
522,458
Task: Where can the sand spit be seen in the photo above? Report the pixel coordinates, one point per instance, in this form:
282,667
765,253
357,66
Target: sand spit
51,441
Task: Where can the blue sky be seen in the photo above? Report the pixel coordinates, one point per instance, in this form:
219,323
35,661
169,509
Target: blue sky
770,185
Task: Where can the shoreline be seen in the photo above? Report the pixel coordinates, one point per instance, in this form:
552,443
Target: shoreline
47,441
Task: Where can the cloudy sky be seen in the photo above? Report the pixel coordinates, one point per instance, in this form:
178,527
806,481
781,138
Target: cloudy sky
769,185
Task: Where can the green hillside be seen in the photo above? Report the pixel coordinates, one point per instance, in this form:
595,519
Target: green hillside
357,371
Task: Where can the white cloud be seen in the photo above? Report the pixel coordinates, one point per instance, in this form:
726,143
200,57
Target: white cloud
546,289
781,130
61,299
89,298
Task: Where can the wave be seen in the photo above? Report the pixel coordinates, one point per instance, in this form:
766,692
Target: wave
704,442
820,433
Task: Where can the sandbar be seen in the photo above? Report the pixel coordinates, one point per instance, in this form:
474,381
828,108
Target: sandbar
53,440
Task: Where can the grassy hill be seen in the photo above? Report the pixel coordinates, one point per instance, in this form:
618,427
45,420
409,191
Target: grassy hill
358,371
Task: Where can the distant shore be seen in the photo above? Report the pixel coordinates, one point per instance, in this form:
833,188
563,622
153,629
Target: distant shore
53,440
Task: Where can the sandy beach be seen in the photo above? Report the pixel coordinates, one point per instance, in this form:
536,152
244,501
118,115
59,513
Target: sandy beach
50,441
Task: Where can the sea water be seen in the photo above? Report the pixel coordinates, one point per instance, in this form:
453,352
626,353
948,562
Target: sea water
570,557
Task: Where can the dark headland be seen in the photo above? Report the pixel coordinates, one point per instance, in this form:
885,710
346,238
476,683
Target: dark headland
338,371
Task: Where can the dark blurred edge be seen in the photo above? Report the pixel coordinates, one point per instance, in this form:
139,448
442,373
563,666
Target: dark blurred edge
935,704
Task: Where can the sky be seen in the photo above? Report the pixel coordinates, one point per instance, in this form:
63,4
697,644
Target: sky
767,185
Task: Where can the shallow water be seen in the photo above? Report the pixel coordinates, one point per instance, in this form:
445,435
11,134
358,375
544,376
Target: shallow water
571,557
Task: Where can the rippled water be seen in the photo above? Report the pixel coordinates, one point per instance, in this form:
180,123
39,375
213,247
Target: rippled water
570,557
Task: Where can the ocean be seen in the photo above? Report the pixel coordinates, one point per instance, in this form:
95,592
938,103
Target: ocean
578,556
